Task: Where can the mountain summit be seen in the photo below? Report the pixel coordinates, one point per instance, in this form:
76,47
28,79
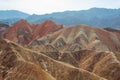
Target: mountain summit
24,32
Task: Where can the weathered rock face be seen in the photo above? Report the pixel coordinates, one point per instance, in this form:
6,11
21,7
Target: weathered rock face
83,37
18,63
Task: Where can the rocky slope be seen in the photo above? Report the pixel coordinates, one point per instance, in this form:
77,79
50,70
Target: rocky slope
24,32
55,52
47,27
105,64
18,63
92,49
20,32
80,37
14,67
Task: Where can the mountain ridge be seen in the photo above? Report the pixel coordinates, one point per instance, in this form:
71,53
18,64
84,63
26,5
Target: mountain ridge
12,16
98,17
53,51
89,17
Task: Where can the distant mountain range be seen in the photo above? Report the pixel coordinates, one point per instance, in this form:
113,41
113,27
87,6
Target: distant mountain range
99,17
12,16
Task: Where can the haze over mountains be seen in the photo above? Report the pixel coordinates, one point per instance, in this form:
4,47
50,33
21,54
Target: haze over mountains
99,17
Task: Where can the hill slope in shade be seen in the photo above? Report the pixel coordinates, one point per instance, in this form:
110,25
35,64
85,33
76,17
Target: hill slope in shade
3,28
36,66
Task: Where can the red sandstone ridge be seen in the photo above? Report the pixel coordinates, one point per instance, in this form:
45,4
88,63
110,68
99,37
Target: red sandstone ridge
24,32
45,28
20,32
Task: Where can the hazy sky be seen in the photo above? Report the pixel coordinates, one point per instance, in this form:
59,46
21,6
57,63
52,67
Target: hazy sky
48,6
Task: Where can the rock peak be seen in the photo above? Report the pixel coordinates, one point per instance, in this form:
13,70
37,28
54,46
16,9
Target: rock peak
22,21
